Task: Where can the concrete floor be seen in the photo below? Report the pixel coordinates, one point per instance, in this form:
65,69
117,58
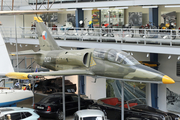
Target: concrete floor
29,103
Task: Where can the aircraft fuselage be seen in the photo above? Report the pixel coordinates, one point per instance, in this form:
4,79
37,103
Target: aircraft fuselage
95,62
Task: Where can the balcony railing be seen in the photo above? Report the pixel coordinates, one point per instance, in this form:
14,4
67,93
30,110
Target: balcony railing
33,2
7,4
117,35
25,64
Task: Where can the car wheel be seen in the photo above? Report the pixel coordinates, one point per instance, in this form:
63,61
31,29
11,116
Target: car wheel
59,115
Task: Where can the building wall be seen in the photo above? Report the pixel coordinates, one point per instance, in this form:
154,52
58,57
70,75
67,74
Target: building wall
88,17
8,20
95,90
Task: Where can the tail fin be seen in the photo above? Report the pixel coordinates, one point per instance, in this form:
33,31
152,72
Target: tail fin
46,41
5,62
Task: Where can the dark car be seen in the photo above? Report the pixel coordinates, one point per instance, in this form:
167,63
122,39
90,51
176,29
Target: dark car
52,105
135,109
54,85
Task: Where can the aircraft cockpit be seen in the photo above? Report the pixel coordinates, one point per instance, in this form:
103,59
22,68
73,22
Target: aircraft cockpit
121,57
115,56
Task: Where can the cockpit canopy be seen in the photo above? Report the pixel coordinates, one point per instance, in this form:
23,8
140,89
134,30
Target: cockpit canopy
115,56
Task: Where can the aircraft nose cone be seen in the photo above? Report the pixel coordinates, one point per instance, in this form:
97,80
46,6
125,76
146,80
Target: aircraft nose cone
154,75
167,80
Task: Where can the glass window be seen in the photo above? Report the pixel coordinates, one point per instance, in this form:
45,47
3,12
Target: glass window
124,58
52,100
112,55
25,114
130,60
15,116
113,16
99,53
120,57
75,98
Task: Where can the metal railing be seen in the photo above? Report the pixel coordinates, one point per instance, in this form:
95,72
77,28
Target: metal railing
24,64
33,2
116,35
7,4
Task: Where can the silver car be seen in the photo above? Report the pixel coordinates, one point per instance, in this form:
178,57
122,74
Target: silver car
18,113
89,114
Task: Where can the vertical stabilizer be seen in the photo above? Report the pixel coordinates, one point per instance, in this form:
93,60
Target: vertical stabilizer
5,62
46,41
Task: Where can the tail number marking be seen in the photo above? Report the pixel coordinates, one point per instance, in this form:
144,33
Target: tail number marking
47,59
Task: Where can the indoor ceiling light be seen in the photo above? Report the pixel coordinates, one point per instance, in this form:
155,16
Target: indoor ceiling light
87,9
20,45
102,8
36,45
147,55
121,7
169,57
149,6
131,53
26,45
70,9
172,6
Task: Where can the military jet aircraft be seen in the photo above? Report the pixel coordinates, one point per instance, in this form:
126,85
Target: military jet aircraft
109,63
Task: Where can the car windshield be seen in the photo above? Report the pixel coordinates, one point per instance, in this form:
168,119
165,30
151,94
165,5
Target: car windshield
121,57
93,118
135,102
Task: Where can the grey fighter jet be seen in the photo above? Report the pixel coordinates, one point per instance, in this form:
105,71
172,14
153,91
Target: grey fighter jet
109,63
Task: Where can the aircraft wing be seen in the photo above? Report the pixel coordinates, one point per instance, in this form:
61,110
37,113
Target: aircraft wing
18,75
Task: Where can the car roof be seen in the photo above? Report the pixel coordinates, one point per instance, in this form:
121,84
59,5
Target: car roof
59,94
89,113
10,109
66,93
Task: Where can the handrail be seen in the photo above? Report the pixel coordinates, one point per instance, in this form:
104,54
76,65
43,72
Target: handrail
103,34
30,66
20,62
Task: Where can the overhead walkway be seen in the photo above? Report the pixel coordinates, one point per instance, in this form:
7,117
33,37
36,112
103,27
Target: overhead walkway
135,40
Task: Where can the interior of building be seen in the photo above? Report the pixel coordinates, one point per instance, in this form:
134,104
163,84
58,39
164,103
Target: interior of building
146,30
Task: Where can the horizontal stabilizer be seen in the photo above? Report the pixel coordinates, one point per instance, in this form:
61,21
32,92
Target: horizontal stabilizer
27,52
18,75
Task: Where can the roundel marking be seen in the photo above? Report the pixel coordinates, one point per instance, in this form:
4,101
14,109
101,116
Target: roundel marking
44,35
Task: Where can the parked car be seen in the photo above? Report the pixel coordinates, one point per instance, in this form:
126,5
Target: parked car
135,109
52,105
54,85
18,113
89,114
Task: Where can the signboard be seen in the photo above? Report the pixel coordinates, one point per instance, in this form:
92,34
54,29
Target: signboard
96,17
